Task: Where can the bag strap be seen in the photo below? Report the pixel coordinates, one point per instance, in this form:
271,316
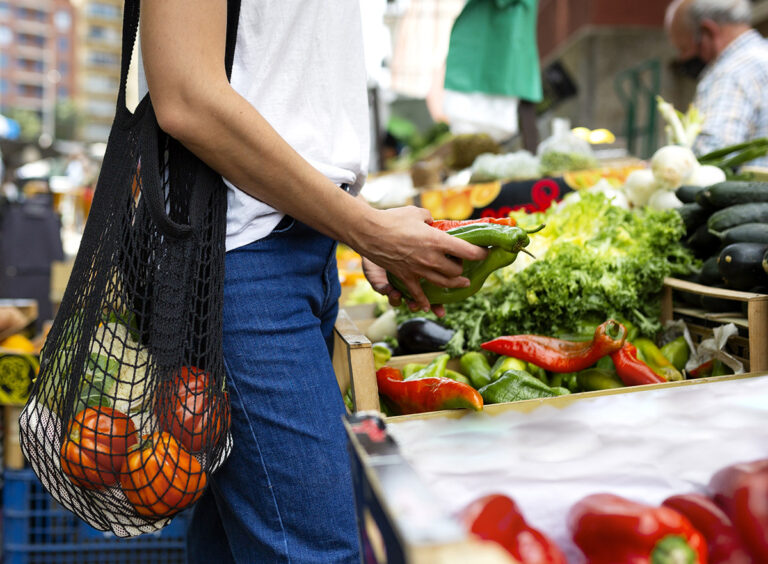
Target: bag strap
131,12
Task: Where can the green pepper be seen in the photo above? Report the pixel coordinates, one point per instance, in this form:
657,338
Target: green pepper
381,355
632,330
504,363
457,377
606,363
411,368
649,353
537,371
516,385
435,369
677,352
505,243
475,365
560,391
594,378
348,400
567,380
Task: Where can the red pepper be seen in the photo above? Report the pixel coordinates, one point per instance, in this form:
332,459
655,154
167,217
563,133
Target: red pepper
496,517
724,545
632,370
610,529
425,394
448,224
558,355
742,492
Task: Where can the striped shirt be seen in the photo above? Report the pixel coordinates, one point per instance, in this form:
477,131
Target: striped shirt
733,96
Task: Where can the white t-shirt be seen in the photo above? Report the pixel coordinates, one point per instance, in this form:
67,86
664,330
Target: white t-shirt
301,64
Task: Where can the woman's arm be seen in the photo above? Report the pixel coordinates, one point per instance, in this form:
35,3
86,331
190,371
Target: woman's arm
183,43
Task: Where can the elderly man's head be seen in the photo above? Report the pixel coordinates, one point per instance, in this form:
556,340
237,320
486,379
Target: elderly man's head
703,28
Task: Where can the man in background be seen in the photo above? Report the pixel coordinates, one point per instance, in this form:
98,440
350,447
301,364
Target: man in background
716,36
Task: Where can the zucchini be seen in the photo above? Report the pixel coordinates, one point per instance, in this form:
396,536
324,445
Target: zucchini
693,216
746,233
741,265
710,272
687,193
732,216
702,242
732,192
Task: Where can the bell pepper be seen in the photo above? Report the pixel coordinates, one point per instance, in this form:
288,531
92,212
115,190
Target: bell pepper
381,355
504,363
741,490
475,365
435,369
632,370
516,385
559,355
457,376
448,224
497,517
425,394
610,529
505,243
724,545
649,353
677,352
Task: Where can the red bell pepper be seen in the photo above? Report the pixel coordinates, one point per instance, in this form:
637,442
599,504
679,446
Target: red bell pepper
610,529
724,545
425,394
559,355
448,224
742,492
632,370
496,517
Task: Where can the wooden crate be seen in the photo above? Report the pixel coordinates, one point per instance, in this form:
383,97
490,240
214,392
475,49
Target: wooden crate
353,363
750,346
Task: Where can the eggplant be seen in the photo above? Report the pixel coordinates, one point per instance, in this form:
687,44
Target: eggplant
421,335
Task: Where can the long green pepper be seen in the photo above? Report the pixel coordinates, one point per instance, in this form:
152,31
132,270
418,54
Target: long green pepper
505,243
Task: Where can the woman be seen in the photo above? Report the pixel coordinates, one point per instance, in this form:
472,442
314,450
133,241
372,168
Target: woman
290,135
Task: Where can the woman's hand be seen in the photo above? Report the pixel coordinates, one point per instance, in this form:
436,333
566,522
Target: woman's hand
400,241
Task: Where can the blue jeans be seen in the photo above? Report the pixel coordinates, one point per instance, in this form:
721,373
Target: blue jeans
285,493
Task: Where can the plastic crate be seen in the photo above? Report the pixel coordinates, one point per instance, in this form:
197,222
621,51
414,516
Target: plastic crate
37,530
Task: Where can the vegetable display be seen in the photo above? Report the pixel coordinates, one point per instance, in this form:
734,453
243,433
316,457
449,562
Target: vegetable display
594,260
610,529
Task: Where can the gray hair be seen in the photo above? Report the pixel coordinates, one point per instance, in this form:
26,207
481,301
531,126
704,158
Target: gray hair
719,11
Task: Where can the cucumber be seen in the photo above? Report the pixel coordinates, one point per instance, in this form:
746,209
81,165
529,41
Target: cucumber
732,216
732,192
687,193
702,242
693,216
741,265
746,233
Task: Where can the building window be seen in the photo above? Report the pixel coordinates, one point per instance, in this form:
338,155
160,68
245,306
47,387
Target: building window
30,90
106,11
63,68
6,35
102,84
30,40
3,60
5,9
103,33
3,86
101,108
101,59
62,92
62,44
62,20
30,65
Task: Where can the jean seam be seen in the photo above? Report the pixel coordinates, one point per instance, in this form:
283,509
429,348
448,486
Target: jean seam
327,285
261,458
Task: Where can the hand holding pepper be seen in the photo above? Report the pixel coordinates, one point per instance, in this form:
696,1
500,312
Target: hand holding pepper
610,529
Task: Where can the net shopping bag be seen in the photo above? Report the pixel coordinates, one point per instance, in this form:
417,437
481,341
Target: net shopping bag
129,415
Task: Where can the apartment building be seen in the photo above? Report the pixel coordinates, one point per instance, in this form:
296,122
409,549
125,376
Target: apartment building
37,56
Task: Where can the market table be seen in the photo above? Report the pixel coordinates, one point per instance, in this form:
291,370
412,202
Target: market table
645,443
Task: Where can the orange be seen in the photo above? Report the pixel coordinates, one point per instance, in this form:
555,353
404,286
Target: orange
485,193
18,343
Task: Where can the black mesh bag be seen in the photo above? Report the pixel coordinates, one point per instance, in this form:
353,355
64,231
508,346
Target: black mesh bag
129,415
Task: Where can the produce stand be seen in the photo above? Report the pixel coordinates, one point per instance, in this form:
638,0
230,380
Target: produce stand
644,443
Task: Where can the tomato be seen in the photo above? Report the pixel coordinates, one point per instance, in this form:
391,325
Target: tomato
191,410
94,449
160,477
